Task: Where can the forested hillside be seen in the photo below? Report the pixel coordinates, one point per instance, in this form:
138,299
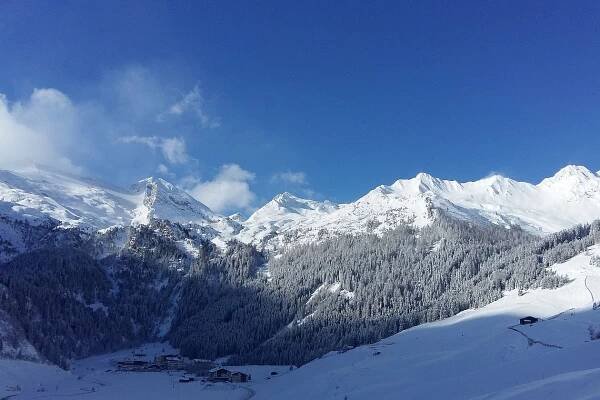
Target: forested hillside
355,290
81,294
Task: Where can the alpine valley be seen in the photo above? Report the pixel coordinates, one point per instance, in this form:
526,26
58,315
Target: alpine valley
87,269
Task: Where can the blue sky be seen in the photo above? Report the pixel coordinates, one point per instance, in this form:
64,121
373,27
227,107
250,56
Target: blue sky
238,101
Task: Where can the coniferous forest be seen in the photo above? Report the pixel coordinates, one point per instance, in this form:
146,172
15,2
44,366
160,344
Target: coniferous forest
75,294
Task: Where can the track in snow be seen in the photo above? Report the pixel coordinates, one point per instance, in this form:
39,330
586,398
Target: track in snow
531,341
588,289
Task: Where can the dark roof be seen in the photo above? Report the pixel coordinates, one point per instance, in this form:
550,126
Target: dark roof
219,369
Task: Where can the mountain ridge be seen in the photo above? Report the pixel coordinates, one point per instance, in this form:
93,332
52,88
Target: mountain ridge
569,197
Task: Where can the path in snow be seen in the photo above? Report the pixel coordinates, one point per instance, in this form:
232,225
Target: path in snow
590,292
531,341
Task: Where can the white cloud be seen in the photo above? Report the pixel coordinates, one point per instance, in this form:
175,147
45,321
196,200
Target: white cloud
295,178
162,169
173,149
193,102
40,130
229,190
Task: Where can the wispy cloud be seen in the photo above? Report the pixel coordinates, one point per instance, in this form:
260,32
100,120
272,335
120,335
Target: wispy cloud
173,149
229,190
193,103
296,178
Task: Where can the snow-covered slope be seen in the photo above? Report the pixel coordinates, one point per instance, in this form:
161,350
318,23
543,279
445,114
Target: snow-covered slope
14,344
97,378
477,354
37,196
570,197
286,213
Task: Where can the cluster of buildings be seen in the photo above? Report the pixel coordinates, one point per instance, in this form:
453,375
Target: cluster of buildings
174,362
225,375
167,362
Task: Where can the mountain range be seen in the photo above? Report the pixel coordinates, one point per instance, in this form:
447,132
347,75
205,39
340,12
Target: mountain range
38,196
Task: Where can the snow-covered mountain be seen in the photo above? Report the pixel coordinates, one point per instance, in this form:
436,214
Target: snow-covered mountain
570,197
37,195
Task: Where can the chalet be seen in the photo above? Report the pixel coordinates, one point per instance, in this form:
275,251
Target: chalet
240,377
528,320
219,375
224,375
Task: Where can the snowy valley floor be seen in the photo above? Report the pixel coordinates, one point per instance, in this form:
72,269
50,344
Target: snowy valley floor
96,378
477,354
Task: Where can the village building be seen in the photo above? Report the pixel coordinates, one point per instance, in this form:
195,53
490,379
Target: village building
239,377
170,361
528,320
224,375
219,375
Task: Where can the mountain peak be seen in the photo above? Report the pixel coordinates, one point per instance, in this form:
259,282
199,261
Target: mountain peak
237,217
152,180
288,201
285,197
574,171
424,176
421,183
497,181
163,200
571,175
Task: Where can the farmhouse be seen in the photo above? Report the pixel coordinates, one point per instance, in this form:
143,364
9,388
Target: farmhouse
528,320
224,375
239,377
219,375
